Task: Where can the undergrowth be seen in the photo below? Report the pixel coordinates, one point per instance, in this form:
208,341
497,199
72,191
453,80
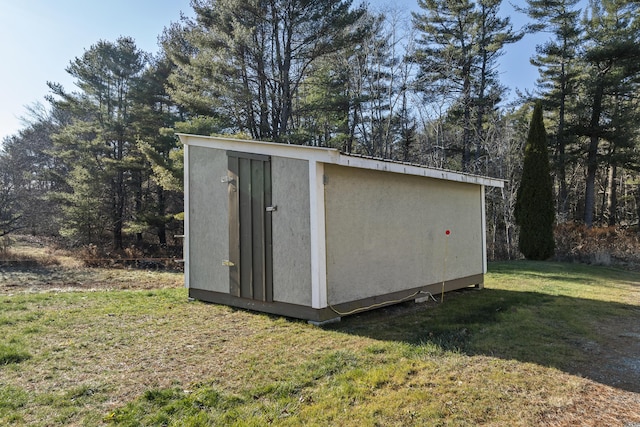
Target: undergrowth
613,245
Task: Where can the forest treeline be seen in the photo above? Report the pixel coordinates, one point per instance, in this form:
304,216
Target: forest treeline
101,163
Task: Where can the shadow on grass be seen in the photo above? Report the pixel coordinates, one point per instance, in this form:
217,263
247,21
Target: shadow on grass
590,338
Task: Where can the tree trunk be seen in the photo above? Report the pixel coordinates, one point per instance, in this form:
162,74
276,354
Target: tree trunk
118,196
466,129
592,157
162,226
563,194
590,188
138,202
481,98
284,65
118,214
638,202
612,199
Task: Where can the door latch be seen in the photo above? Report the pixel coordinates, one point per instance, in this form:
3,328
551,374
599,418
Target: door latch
271,208
228,263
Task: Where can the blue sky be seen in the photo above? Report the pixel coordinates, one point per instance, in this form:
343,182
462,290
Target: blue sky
39,38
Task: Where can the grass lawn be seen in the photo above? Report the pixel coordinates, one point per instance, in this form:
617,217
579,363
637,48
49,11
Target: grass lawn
542,344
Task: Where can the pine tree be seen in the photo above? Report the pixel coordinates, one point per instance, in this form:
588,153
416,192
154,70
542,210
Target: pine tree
612,62
446,56
85,209
534,210
324,107
557,61
492,33
100,138
158,182
459,45
246,61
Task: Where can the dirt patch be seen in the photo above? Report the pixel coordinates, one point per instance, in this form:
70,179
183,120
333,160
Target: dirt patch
615,359
596,405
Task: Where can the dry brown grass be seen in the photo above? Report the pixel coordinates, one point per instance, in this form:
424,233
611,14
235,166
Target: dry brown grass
34,251
18,279
32,264
595,405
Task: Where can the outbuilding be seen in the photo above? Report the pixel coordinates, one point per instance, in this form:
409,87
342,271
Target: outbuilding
316,234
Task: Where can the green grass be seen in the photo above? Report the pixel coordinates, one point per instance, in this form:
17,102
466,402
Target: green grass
13,352
512,354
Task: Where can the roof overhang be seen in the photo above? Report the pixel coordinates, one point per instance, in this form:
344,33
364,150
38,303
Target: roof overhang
334,156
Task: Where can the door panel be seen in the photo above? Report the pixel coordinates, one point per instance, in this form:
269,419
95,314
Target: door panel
249,177
234,225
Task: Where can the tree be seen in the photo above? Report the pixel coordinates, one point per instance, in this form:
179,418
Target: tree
376,81
158,189
612,58
325,103
557,61
85,209
246,60
458,51
100,141
534,210
493,34
28,173
10,213
446,58
621,151
505,161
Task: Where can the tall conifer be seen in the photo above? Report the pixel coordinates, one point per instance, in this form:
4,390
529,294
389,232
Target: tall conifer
557,61
247,60
534,210
458,47
99,144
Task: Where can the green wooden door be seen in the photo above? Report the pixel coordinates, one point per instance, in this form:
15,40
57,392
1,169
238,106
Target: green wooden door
250,269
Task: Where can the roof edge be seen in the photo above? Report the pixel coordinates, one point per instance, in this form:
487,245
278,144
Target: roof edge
334,156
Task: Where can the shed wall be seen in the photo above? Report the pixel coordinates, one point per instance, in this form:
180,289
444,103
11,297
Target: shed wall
209,225
208,220
291,231
386,232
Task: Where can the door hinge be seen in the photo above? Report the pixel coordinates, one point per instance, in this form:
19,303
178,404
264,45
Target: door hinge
227,180
271,208
228,263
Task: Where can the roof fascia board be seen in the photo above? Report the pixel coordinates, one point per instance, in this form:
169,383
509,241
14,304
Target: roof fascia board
382,165
332,156
318,154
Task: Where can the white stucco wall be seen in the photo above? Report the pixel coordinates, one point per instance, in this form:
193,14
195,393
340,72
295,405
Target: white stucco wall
385,232
209,225
291,232
208,220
